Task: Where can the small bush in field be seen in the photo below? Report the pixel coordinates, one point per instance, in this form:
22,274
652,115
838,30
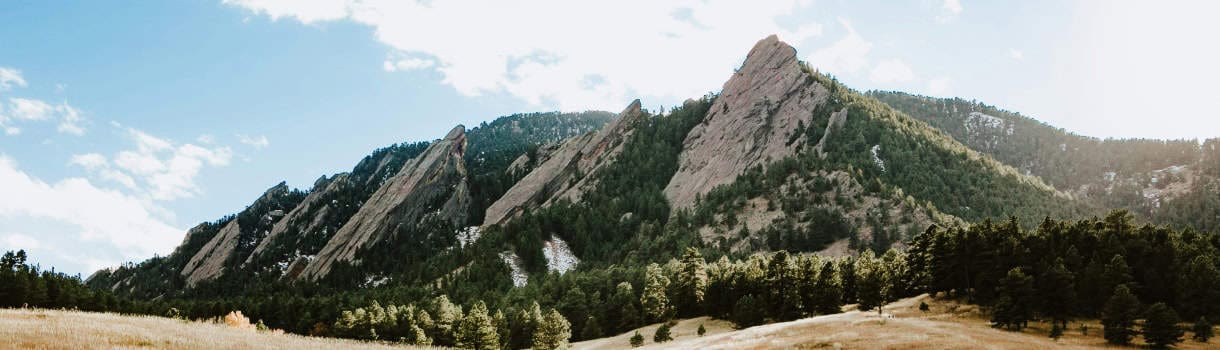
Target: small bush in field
236,320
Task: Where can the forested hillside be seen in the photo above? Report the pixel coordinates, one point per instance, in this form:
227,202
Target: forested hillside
1166,181
786,195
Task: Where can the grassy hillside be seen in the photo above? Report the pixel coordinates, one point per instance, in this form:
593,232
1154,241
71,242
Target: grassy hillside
946,325
52,329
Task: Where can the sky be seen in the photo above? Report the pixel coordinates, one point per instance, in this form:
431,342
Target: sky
123,124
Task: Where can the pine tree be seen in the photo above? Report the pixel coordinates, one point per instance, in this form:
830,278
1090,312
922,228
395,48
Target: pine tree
1014,307
1118,316
692,283
592,329
663,333
827,291
1199,287
448,315
1057,292
1202,330
870,281
747,312
1161,329
701,331
654,299
622,307
476,330
553,333
637,340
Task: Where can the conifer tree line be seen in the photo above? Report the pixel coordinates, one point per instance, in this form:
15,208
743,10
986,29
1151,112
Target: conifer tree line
24,285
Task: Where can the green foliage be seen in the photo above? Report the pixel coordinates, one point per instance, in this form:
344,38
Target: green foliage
637,340
1202,330
1118,318
1161,329
1014,308
553,332
691,284
23,285
701,331
663,333
477,331
654,300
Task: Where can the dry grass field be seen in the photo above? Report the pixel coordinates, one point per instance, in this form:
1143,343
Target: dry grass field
51,329
946,325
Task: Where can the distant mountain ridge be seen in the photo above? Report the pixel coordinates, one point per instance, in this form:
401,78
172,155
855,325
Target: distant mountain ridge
783,158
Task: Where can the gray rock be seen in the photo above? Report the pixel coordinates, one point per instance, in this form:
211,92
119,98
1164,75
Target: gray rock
749,124
439,172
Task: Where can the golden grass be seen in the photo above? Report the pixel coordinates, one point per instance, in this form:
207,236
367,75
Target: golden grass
53,329
946,325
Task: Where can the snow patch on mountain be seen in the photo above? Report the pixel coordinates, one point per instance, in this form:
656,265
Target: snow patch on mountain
468,235
520,278
559,257
877,157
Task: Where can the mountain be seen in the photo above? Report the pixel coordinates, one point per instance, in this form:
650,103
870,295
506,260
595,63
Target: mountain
1164,181
564,209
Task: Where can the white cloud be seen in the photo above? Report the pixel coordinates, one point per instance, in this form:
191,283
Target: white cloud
106,219
664,50
257,142
950,10
29,109
939,87
19,241
9,78
892,71
408,64
846,56
157,168
26,110
1016,54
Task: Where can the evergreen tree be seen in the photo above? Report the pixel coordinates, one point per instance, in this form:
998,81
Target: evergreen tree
692,283
747,312
622,309
701,331
655,301
1116,273
553,333
477,330
637,340
663,333
1200,288
870,282
444,326
1202,329
1014,308
827,297
592,329
1161,329
1057,293
1118,316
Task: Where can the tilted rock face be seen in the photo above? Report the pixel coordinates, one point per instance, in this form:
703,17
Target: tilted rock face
322,187
437,174
208,263
556,178
750,123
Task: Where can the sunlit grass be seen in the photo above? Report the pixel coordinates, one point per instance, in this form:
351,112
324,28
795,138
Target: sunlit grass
54,329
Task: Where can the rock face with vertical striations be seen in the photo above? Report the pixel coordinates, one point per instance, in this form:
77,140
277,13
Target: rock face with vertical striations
433,182
208,263
564,173
751,123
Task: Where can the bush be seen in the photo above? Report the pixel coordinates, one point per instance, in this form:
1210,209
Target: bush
1202,330
663,335
236,320
701,330
637,340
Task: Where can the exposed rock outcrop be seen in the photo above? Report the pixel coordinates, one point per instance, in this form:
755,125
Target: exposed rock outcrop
564,174
208,263
298,215
751,122
433,182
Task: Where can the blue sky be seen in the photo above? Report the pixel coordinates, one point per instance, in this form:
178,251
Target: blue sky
124,123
